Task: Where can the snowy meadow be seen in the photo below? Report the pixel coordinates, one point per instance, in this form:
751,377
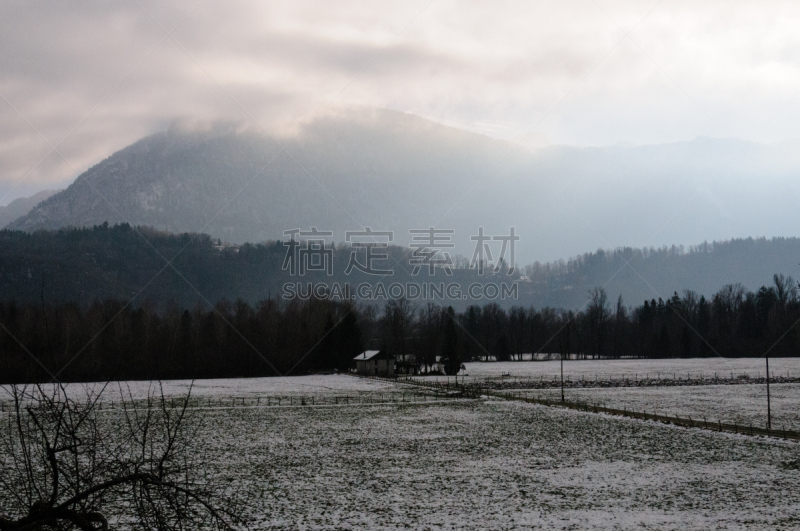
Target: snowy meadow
398,455
495,464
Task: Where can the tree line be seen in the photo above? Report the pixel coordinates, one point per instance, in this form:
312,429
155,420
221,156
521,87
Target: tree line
83,265
702,268
109,340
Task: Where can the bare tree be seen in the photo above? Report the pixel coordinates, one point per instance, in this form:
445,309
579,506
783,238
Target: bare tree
786,295
429,330
598,314
398,316
70,462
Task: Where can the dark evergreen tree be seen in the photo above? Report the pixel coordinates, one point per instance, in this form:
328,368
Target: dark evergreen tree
349,341
503,349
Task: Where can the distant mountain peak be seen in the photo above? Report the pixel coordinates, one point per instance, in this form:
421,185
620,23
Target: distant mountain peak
396,171
22,205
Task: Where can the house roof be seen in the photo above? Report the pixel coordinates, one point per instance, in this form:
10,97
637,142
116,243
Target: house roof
370,354
367,355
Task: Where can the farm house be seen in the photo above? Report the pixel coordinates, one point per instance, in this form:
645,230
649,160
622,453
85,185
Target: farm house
375,363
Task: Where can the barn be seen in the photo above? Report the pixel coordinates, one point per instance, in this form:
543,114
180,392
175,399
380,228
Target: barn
375,363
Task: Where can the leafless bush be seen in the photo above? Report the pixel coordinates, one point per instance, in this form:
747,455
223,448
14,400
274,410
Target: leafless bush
72,462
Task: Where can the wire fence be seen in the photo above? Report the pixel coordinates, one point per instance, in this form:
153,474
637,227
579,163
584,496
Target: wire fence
229,402
436,391
688,422
718,425
551,381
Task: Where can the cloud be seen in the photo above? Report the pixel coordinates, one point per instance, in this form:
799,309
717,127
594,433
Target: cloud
93,78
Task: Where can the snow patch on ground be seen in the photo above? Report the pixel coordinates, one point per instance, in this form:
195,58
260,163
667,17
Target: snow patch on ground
501,465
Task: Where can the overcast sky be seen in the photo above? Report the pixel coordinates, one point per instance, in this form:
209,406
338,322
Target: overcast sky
92,77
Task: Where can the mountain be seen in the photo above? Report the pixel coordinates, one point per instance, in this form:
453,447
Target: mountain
394,171
19,207
387,171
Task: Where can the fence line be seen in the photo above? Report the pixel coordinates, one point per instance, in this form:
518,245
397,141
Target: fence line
668,419
627,380
718,425
270,401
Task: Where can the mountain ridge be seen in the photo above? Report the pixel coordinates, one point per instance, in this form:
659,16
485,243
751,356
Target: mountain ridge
396,171
21,206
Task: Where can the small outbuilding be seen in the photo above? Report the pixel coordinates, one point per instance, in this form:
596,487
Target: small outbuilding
375,363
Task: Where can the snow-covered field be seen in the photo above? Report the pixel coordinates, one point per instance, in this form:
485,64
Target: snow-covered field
315,385
490,463
615,369
745,405
493,464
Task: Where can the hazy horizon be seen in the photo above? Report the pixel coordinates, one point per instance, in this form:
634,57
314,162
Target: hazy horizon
608,79
90,80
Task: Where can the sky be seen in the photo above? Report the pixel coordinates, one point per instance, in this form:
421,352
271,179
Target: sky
80,80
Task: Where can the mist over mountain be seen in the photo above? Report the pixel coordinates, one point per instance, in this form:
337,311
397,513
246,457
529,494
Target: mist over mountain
395,171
